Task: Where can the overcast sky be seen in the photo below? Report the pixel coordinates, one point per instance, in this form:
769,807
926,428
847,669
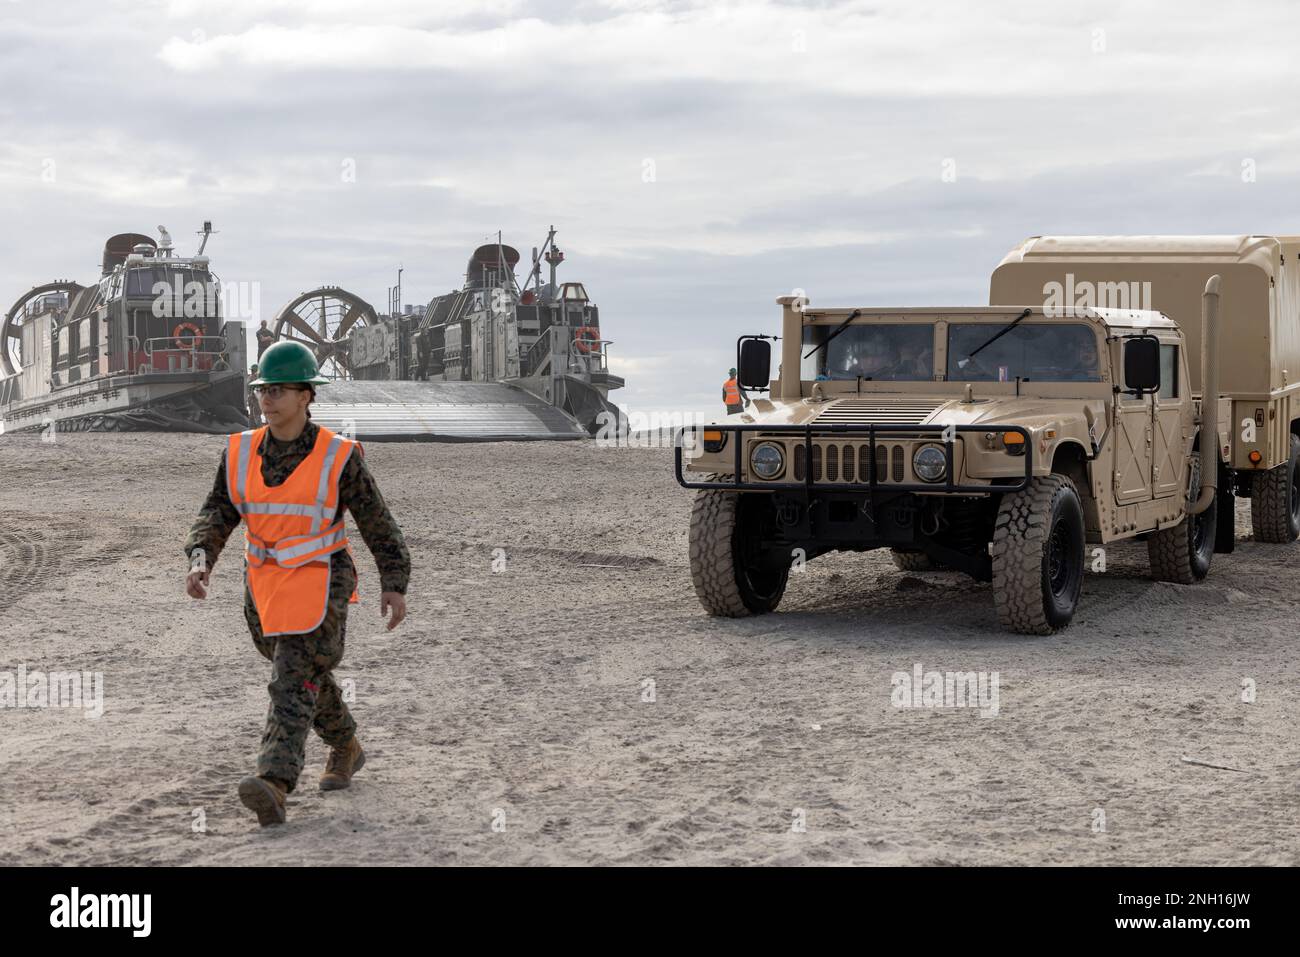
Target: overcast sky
698,159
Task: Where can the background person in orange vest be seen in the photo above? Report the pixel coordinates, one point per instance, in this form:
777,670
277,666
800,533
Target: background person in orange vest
732,395
290,482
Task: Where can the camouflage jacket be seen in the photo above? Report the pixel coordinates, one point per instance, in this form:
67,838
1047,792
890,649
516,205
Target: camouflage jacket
357,493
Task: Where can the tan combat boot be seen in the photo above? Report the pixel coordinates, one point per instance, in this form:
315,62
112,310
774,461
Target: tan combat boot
341,765
264,796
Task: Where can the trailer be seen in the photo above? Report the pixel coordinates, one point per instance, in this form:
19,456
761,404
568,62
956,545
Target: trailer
1259,352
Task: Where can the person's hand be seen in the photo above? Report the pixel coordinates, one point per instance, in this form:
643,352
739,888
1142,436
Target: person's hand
395,601
196,583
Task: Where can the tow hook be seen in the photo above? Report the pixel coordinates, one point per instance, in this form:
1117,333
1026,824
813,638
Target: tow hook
787,514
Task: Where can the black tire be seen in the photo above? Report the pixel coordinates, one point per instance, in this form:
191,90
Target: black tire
1183,552
1038,556
727,579
1275,500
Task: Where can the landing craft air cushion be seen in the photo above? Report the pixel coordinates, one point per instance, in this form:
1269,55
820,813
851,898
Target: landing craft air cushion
492,360
143,348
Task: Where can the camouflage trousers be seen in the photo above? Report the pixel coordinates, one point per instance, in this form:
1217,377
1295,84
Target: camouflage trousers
304,694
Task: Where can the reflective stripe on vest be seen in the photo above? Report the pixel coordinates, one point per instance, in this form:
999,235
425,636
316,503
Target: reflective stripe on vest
241,446
330,454
731,391
276,508
299,550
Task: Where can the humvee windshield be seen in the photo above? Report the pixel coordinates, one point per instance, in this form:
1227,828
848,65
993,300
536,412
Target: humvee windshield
1038,352
880,352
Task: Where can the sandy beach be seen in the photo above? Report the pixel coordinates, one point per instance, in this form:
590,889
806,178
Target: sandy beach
565,700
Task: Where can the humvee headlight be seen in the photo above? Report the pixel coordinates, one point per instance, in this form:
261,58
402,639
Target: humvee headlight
930,463
1014,443
714,440
767,460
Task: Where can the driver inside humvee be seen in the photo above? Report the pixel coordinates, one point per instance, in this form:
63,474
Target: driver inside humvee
870,356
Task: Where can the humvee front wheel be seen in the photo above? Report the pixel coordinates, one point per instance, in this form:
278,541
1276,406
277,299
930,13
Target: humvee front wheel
1275,500
1038,556
729,578
1183,553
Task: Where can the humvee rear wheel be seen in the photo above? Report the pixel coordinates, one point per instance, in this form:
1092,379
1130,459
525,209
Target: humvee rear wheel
1275,500
1038,556
729,578
1183,553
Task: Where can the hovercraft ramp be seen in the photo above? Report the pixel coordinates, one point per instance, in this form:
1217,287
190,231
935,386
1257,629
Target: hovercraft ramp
439,412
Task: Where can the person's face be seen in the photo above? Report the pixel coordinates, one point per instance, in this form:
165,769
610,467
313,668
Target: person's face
872,358
282,403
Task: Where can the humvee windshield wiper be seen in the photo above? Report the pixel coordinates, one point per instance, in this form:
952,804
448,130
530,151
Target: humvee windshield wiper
837,330
962,363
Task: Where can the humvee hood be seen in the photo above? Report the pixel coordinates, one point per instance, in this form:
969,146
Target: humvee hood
1008,410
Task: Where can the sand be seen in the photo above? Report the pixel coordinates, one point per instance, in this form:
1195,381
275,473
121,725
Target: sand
577,706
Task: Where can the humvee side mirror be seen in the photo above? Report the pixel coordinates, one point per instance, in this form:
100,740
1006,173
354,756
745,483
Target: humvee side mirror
755,364
1142,365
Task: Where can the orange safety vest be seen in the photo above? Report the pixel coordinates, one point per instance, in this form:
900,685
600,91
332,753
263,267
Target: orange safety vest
290,537
731,392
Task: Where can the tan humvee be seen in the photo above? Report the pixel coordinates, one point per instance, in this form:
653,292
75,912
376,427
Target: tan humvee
1259,353
993,440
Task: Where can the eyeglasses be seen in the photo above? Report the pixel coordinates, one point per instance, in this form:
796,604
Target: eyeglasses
274,392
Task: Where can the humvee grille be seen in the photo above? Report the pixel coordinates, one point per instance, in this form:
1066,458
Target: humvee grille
851,462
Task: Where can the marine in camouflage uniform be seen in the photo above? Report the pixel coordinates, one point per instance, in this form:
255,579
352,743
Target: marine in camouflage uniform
250,398
304,693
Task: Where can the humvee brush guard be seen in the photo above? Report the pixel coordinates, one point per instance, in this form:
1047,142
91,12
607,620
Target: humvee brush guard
998,441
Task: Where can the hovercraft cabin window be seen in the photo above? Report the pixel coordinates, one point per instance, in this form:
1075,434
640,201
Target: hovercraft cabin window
140,282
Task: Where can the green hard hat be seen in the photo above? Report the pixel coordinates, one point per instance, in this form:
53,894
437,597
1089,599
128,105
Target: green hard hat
733,372
286,362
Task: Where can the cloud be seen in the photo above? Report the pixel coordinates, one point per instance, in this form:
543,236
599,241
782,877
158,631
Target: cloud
346,11
884,48
697,159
